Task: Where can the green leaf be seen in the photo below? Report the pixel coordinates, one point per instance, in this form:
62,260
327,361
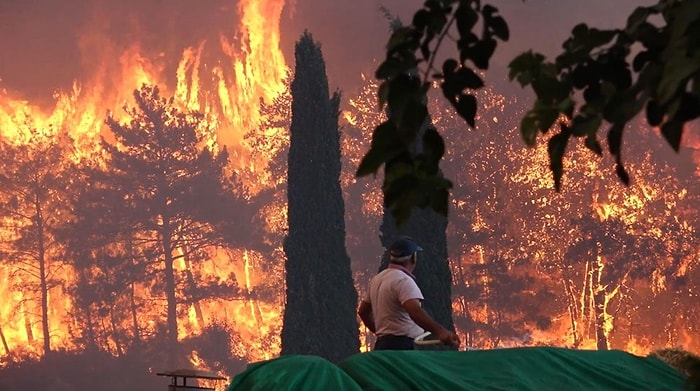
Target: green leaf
621,172
466,108
593,144
399,38
586,124
678,69
525,67
529,128
615,139
673,132
495,24
654,112
449,66
467,78
420,19
481,53
370,163
549,89
545,115
388,69
637,18
466,18
385,145
623,107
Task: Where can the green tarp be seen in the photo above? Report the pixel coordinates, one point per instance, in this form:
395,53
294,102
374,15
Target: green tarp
535,368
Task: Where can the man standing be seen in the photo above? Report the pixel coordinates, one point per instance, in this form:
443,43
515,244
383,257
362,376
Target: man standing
392,308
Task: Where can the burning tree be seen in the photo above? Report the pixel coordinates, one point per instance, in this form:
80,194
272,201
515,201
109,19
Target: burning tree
319,317
601,67
168,200
35,180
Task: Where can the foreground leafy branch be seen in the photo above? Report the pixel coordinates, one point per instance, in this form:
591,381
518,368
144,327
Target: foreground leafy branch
409,151
647,65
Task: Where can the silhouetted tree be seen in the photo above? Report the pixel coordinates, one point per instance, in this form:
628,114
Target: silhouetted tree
319,317
35,179
433,274
166,191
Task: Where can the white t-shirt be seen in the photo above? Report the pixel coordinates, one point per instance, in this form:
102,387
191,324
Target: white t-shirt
388,290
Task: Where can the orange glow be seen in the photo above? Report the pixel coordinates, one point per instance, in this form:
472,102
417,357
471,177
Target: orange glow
252,68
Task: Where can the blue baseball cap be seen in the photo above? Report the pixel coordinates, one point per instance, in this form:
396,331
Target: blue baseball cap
404,246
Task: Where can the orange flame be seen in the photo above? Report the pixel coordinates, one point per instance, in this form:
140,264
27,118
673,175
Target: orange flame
252,69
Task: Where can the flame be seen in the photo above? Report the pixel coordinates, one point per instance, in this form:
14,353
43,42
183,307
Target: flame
226,80
252,68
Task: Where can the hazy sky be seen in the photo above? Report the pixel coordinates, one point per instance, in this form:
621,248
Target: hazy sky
40,45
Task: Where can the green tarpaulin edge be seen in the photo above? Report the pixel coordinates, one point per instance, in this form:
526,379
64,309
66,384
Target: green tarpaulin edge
525,368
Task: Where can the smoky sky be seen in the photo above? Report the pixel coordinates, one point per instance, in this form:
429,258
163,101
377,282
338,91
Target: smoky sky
40,40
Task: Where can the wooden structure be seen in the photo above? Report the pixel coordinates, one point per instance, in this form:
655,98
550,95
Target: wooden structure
179,378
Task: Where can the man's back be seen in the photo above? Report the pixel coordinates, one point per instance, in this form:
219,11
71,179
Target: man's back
388,290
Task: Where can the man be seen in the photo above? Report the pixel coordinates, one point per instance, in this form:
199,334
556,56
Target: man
392,308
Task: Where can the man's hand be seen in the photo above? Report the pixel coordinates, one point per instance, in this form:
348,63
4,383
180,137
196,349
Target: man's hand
448,338
422,319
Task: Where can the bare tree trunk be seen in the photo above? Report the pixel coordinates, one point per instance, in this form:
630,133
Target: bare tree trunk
27,322
170,292
600,301
4,342
193,288
115,332
134,315
136,340
573,310
43,281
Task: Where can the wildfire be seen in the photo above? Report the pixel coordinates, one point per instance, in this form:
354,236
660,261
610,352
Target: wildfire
227,89
503,208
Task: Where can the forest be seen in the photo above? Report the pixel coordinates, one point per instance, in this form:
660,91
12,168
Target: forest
157,245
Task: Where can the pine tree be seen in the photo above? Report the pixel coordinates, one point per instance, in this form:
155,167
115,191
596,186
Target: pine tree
164,188
319,316
35,182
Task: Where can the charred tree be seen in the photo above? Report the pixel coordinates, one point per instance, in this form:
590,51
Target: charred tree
319,316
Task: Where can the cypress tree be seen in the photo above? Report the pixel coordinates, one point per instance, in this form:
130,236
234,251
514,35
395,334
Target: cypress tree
319,316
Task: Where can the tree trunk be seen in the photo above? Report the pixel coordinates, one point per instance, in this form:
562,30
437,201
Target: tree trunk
27,321
116,334
193,288
599,301
4,342
43,284
136,339
170,291
573,309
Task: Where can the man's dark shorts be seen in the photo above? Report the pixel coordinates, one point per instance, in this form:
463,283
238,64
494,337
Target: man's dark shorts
393,342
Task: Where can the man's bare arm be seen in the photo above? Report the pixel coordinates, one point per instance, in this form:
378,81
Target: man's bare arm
422,319
365,312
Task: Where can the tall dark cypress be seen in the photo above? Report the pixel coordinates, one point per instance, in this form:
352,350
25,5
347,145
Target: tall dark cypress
319,316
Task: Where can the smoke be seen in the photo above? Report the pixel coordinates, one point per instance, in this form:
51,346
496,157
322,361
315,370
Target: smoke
46,45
